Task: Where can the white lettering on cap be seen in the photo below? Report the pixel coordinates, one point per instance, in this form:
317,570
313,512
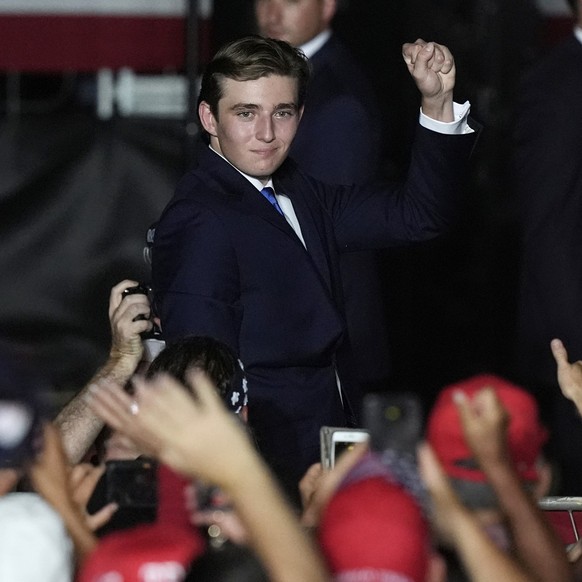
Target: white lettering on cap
161,572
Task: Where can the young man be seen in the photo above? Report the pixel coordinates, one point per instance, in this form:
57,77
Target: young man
262,275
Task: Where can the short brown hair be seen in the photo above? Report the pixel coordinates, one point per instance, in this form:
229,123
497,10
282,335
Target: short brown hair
251,58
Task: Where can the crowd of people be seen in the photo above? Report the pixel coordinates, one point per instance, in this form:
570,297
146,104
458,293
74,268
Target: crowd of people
195,454
463,508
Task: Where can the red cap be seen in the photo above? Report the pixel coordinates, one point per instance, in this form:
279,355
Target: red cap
161,552
374,531
525,433
172,506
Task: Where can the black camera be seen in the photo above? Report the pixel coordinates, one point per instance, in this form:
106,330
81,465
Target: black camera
131,483
139,289
144,289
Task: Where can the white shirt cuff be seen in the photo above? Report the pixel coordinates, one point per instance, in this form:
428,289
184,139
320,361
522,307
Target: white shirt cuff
457,127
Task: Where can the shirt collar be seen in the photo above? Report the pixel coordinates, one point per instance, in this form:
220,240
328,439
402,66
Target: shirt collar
578,33
312,46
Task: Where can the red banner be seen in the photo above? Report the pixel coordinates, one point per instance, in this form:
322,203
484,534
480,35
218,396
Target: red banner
43,35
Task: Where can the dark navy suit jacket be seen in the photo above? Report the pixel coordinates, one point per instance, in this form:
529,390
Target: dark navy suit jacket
339,141
226,264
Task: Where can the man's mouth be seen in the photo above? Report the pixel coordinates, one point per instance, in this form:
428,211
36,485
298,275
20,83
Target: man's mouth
264,152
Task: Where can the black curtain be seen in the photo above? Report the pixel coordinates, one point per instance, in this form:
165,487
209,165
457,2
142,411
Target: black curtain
76,198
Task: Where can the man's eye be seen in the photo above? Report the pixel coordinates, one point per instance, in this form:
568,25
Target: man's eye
285,113
244,114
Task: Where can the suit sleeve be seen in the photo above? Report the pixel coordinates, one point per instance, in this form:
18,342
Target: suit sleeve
195,275
420,208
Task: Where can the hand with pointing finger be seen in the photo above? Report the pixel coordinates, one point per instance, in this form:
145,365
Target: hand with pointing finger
569,374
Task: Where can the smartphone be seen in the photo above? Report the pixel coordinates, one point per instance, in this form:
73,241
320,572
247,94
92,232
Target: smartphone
394,421
335,440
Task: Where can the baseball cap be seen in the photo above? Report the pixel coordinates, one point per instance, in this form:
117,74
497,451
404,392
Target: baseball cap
526,435
34,543
374,530
23,407
161,551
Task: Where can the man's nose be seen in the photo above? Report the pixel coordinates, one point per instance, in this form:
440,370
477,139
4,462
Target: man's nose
266,129
273,12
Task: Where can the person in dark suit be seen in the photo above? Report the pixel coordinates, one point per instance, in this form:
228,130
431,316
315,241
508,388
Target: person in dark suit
548,180
258,268
339,141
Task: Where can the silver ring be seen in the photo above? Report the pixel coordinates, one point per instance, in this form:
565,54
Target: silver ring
134,408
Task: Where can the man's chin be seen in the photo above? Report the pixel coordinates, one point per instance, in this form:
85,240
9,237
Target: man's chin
263,172
277,35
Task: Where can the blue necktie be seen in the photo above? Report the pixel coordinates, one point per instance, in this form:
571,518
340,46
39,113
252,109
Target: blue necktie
269,194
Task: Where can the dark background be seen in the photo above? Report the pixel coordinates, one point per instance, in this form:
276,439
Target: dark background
77,195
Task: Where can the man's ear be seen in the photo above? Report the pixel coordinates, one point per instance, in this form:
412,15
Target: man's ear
207,118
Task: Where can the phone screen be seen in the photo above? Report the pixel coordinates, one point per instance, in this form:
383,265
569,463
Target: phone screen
335,440
342,447
343,441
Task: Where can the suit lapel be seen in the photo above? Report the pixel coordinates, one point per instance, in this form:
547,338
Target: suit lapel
227,180
309,215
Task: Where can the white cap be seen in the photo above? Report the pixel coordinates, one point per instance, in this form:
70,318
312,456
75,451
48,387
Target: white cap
34,544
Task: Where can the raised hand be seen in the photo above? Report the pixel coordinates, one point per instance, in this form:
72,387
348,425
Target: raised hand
186,431
456,525
317,486
485,422
569,375
50,477
83,480
446,506
432,67
125,329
